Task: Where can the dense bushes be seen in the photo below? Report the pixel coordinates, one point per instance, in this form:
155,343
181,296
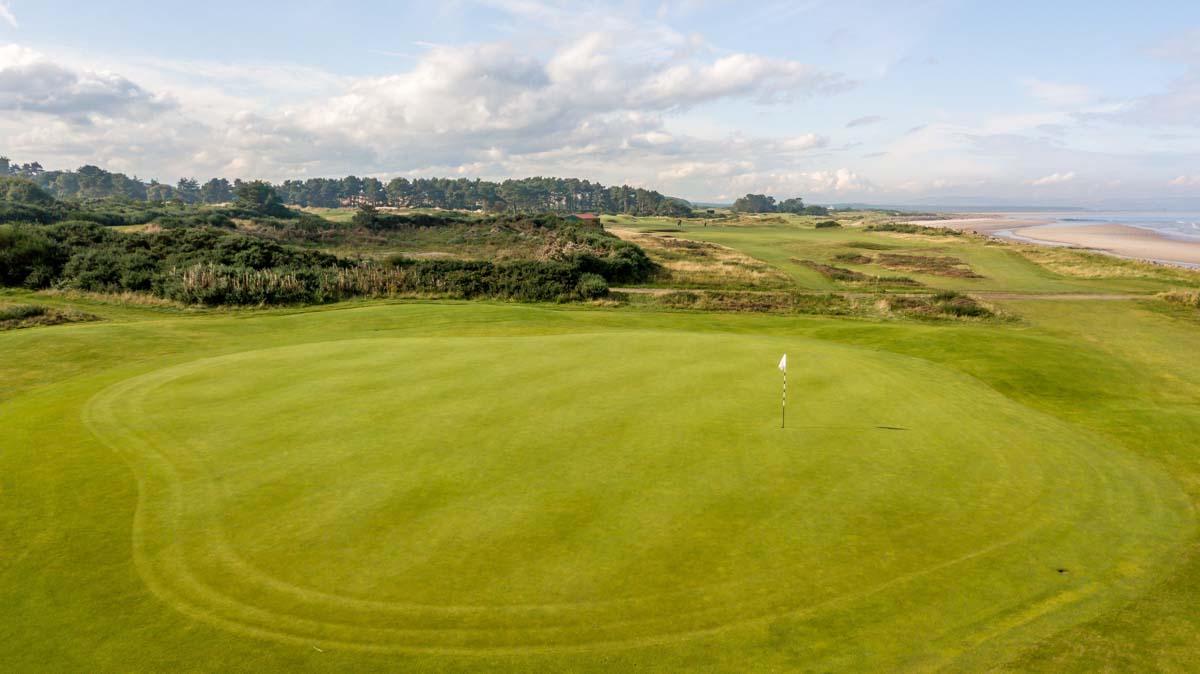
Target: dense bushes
193,257
588,247
528,281
17,212
29,257
120,212
374,219
213,266
22,191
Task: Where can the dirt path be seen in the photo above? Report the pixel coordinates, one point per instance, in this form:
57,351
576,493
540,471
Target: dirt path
1001,295
985,294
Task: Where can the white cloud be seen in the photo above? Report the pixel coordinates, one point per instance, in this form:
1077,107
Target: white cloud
1054,179
864,121
768,80
840,182
1185,181
31,83
719,169
6,15
578,100
582,109
1059,95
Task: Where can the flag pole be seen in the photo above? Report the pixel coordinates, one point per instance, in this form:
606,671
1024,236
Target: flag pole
783,401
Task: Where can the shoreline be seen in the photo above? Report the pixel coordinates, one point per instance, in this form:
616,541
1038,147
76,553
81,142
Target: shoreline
1116,239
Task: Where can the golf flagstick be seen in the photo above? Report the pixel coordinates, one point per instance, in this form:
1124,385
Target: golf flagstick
783,403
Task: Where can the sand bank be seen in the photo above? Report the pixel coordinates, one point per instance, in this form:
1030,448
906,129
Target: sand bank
1119,239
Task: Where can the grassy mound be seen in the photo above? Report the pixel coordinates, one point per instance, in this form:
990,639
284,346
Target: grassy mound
14,316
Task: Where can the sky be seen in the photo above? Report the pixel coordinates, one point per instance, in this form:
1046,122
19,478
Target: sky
1064,102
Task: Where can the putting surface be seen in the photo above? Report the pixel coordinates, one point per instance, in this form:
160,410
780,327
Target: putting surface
623,493
474,487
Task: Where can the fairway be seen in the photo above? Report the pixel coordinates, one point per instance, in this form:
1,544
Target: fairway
536,487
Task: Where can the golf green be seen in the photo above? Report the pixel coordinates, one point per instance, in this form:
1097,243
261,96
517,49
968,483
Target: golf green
605,490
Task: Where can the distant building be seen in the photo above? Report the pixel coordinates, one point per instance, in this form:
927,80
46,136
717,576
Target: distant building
589,218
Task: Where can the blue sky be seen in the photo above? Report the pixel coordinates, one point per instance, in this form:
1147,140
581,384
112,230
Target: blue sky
1046,102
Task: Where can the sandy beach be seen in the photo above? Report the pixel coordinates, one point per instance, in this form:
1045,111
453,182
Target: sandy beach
1119,239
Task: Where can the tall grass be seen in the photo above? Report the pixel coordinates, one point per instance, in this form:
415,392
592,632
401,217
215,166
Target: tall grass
17,312
15,316
1188,298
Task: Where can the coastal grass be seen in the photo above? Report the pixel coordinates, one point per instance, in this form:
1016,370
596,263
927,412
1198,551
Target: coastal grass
490,487
979,264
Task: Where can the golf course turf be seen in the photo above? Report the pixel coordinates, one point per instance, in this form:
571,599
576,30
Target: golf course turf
482,486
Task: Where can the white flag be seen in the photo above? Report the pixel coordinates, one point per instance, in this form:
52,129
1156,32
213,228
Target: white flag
783,364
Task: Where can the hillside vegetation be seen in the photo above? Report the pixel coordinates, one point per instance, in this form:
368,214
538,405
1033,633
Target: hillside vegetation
257,251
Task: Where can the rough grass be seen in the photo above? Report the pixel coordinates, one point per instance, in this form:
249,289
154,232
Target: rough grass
853,258
1188,298
760,302
942,305
936,265
843,275
126,298
16,316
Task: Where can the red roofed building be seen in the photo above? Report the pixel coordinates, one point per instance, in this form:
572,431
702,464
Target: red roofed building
589,218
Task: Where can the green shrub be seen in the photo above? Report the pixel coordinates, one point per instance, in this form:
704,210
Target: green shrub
944,304
592,286
908,228
23,191
29,257
827,224
199,264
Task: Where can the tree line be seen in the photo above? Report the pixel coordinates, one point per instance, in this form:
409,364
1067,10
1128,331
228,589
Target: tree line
761,203
526,195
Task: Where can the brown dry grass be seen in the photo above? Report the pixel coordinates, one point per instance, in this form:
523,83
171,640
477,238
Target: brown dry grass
127,298
942,265
698,264
1188,298
760,302
16,316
